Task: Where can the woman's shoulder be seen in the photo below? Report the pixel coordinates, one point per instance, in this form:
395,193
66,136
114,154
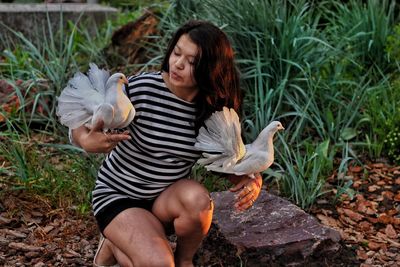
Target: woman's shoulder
154,75
146,82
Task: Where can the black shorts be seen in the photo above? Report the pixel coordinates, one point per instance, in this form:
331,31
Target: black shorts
108,213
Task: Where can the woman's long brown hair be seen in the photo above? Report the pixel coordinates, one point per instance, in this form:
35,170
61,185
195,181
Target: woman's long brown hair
215,70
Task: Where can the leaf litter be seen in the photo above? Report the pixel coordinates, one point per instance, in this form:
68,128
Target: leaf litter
33,233
369,219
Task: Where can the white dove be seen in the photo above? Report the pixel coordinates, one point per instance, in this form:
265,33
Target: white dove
223,148
87,99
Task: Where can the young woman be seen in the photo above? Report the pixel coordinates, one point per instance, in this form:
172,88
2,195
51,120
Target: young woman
142,192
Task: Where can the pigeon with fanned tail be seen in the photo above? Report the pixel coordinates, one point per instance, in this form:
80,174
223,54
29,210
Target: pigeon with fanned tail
97,96
223,148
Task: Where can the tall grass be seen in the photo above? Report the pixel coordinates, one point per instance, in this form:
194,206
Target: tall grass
37,70
360,31
51,58
317,67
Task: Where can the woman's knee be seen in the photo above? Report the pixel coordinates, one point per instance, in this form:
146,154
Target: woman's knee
195,197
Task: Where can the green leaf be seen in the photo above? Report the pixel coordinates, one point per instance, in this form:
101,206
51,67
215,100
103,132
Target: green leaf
348,133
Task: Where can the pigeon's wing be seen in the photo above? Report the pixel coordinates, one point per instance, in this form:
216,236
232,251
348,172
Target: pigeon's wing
254,162
77,101
221,135
98,78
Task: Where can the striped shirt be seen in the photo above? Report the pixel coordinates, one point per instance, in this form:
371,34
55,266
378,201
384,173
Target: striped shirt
161,150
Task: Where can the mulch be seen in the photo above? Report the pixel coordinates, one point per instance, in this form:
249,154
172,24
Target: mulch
34,233
368,215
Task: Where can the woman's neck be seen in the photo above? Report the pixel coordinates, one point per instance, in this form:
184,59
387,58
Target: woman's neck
185,93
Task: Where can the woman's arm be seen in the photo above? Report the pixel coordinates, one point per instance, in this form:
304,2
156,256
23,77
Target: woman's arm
248,189
95,140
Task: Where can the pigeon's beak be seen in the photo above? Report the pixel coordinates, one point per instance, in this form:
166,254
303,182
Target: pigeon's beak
281,128
125,80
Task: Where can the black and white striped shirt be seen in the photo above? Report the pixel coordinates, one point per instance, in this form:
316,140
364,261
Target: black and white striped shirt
161,150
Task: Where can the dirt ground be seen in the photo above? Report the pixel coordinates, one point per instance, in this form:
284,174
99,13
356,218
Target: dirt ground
33,233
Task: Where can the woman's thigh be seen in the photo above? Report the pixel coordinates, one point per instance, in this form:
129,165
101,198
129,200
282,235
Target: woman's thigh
140,236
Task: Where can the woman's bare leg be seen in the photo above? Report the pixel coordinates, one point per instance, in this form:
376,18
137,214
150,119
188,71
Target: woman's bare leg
187,204
137,238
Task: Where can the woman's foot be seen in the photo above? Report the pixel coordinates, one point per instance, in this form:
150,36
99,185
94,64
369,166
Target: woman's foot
104,255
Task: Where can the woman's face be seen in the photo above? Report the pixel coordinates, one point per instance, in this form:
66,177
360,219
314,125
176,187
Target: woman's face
181,63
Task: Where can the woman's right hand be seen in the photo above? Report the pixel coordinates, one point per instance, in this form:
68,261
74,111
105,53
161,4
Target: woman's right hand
95,140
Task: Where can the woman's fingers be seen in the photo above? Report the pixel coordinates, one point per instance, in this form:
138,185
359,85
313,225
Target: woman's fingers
245,202
98,141
248,193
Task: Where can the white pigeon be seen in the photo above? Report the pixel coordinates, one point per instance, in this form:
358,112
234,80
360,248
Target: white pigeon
87,99
223,148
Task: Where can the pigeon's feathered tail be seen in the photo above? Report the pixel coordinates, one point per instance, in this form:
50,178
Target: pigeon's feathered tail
98,78
221,140
70,108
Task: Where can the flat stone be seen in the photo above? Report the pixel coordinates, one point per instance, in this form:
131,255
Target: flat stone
273,231
32,19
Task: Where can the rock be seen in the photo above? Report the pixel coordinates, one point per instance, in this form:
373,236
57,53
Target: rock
272,231
32,19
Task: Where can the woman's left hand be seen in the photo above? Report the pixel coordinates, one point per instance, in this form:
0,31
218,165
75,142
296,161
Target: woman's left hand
248,190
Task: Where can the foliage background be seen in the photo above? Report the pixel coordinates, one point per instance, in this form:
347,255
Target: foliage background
329,70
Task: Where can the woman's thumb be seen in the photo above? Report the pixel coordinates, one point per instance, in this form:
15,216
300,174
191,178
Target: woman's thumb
98,126
237,187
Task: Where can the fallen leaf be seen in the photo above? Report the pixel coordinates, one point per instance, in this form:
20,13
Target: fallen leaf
362,254
24,247
377,165
390,231
353,215
381,182
388,194
355,169
328,221
365,226
374,246
69,253
385,219
47,228
357,184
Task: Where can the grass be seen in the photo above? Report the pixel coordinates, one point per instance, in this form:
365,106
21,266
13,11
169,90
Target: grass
62,173
313,66
36,72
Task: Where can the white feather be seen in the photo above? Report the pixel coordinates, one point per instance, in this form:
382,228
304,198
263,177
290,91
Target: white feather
87,99
223,148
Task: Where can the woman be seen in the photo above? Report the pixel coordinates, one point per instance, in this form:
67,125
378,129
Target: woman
142,192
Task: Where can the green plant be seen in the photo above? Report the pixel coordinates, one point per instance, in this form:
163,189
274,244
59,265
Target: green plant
343,185
52,59
62,173
360,31
310,66
393,44
380,115
392,145
213,182
302,173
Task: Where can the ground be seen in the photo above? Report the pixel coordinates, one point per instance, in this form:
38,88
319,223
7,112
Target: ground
33,233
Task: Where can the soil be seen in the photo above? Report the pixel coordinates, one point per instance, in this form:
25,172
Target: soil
34,233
